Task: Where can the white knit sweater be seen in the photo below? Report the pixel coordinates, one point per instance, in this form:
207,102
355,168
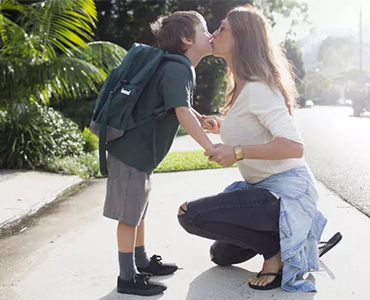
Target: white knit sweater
257,116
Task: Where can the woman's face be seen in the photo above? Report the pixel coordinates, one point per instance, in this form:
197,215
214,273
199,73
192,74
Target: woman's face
223,40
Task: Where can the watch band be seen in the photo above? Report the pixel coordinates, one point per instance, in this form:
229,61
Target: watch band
238,152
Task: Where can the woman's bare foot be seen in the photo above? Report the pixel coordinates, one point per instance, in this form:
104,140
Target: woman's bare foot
272,265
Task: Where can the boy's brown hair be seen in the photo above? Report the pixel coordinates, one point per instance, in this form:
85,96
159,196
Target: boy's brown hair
169,30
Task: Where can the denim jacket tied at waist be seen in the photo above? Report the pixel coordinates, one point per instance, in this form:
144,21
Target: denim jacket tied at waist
301,224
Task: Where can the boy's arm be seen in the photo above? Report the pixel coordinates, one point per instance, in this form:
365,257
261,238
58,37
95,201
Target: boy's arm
191,124
206,122
198,115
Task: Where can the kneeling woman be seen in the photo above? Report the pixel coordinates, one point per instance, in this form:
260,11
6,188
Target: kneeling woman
273,211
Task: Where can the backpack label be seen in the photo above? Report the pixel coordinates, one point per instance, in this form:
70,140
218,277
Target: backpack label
125,92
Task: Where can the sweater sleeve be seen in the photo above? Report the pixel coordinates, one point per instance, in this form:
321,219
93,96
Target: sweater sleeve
270,109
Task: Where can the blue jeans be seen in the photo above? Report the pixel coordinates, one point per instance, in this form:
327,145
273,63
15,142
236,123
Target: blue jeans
243,222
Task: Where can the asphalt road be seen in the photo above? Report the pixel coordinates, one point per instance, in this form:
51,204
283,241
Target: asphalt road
337,148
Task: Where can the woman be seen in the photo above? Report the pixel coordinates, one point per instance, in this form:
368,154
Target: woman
273,211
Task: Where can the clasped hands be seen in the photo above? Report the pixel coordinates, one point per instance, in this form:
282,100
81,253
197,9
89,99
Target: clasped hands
222,154
212,123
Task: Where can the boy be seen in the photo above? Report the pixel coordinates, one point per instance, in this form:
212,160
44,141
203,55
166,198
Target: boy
134,156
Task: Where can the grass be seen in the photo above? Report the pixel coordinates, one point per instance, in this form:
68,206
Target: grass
182,131
87,165
186,161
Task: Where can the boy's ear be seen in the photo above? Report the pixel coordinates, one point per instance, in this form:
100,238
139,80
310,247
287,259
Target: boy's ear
187,41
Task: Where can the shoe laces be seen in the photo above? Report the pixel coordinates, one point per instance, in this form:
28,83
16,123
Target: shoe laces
142,277
156,258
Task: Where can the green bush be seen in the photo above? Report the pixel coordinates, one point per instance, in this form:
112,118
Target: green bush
186,161
91,140
85,166
211,85
181,131
79,111
30,134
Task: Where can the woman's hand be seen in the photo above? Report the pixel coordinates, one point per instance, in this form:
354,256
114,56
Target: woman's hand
212,123
223,155
209,124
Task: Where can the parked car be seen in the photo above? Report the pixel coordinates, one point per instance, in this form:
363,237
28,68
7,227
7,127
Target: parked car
360,100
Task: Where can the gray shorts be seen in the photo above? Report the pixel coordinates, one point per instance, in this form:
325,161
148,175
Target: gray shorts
127,192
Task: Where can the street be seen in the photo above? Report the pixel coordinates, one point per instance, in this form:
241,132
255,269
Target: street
337,148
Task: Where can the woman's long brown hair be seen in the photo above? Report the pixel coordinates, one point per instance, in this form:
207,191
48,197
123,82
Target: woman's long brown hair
256,57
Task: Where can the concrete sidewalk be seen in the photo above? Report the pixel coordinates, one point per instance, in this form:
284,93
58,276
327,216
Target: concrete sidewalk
22,193
81,261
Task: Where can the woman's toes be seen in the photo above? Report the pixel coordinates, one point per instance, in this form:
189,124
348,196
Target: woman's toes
254,280
264,282
261,281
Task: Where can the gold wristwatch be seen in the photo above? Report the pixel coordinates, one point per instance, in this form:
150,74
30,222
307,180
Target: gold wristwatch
238,152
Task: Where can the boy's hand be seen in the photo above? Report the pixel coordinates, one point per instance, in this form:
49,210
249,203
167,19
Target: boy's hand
212,123
223,155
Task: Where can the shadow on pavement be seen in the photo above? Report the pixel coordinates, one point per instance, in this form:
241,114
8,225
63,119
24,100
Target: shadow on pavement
113,295
219,283
6,174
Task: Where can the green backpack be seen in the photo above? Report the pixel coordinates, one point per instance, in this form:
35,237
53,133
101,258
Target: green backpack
120,92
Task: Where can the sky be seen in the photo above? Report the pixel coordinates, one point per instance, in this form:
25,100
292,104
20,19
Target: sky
328,14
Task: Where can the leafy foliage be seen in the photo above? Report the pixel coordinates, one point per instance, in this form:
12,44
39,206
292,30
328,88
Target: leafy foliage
85,166
46,52
91,140
30,134
294,54
337,54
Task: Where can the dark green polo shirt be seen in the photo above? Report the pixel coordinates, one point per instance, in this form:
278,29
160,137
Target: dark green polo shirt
146,146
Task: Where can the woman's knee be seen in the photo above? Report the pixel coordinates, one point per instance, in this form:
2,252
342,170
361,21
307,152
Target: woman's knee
184,219
183,209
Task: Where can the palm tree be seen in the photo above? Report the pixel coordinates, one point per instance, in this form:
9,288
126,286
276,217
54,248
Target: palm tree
46,50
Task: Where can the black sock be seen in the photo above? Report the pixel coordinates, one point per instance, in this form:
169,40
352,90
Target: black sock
141,259
126,265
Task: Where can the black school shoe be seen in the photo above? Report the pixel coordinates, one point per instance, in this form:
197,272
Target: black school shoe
157,268
141,285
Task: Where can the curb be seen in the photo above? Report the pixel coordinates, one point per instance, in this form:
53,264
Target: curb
34,208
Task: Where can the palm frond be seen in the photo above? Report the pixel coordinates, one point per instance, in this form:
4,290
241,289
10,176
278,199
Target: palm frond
62,77
65,24
70,77
104,55
10,5
31,65
6,25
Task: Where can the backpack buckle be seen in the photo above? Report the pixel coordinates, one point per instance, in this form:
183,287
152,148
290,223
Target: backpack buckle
161,116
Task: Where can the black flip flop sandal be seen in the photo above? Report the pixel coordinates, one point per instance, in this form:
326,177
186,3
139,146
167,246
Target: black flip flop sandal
326,246
272,285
